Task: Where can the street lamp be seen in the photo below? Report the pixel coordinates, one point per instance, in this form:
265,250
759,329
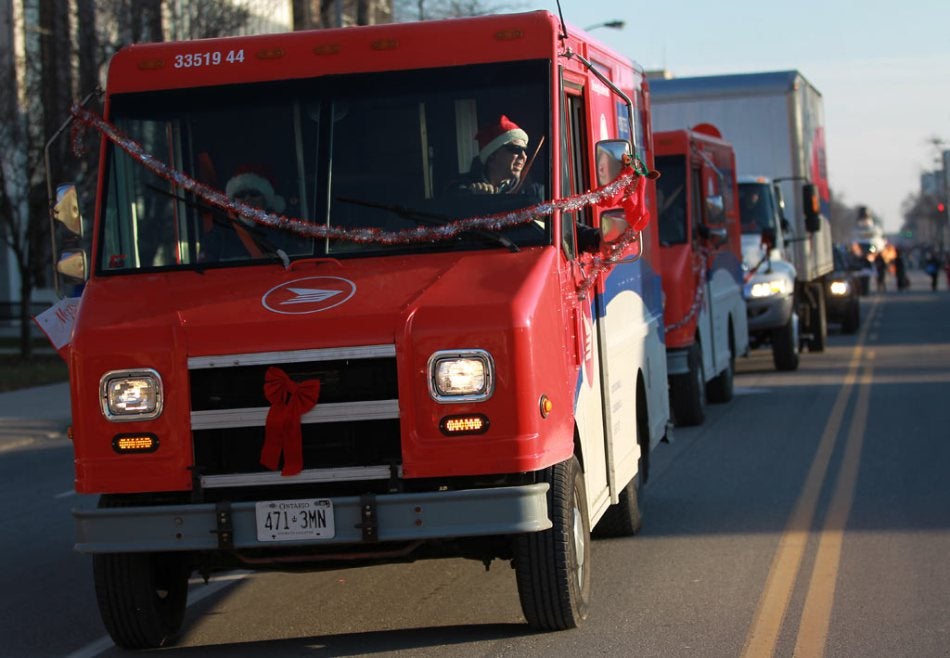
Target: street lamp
614,25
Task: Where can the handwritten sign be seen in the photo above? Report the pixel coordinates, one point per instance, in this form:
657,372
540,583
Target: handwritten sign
57,321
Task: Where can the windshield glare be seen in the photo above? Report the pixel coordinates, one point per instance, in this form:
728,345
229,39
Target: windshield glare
382,151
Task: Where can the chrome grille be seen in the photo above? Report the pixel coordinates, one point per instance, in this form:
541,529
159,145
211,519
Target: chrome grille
352,433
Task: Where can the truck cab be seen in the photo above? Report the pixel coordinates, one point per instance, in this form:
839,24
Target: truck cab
769,286
704,312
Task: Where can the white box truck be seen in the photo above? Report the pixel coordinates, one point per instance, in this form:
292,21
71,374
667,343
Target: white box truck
775,121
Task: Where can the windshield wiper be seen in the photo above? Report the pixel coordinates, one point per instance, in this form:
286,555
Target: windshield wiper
431,219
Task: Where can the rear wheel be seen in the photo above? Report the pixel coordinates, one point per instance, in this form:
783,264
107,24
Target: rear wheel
720,388
553,566
625,518
688,391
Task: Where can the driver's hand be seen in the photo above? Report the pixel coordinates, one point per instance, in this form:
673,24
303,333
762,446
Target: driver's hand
482,187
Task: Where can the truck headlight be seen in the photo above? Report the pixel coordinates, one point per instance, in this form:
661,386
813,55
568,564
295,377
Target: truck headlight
840,288
128,395
461,376
779,286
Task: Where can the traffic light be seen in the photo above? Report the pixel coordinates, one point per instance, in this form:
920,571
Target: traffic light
941,206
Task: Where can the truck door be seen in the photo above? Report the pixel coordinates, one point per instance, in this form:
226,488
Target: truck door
719,285
608,399
589,399
699,233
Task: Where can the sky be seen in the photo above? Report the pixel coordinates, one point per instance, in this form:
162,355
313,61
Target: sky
883,70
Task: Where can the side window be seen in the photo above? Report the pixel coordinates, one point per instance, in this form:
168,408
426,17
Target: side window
715,210
641,122
573,169
695,201
671,199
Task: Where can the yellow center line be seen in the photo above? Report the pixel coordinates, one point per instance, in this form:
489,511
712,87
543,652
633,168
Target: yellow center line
783,572
816,617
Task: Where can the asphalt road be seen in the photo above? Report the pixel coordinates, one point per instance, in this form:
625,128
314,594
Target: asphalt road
809,516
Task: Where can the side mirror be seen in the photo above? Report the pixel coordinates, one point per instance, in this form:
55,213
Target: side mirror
614,229
69,250
715,209
717,236
66,209
610,154
612,226
72,264
811,207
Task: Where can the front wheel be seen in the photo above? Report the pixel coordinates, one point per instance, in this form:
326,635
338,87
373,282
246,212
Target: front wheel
818,321
141,596
553,566
785,345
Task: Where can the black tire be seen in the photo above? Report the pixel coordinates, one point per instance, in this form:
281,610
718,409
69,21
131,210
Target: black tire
785,346
553,566
852,321
625,518
721,387
141,596
688,391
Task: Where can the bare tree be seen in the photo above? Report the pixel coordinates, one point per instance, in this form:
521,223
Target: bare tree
147,21
14,146
28,112
423,10
207,18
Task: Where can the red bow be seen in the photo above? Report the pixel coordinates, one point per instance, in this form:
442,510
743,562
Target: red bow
289,401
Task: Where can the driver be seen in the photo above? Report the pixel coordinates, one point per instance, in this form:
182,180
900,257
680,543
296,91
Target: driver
502,155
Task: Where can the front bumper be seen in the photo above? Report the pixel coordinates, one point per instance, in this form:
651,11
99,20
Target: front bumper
769,313
396,517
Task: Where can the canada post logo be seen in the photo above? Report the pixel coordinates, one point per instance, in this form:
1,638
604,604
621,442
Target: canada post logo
309,295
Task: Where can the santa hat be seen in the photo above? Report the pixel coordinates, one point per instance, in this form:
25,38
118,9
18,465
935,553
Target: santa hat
492,137
249,179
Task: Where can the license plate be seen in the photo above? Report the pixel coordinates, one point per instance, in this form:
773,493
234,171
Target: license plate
287,520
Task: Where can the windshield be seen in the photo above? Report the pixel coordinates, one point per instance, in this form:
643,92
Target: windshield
671,198
385,151
756,208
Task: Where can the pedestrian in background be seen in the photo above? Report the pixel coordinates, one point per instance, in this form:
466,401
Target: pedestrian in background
880,266
932,268
900,271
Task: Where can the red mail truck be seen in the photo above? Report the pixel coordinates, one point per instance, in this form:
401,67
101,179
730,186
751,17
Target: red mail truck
701,252
350,362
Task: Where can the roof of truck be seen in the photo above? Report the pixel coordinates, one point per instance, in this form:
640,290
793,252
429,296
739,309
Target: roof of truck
734,84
